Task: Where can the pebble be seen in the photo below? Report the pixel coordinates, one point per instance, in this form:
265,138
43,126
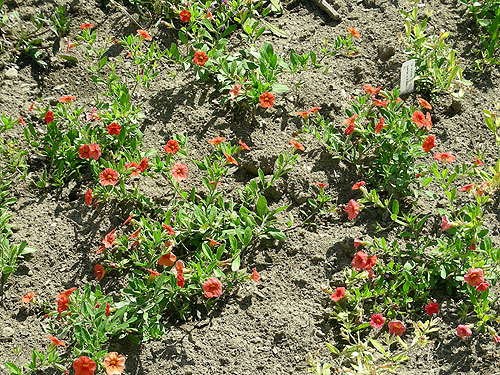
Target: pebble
11,73
8,332
385,52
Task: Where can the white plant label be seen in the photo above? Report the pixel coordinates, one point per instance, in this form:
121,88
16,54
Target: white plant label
407,77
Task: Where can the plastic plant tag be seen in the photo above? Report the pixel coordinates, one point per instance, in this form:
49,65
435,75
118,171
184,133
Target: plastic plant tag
407,77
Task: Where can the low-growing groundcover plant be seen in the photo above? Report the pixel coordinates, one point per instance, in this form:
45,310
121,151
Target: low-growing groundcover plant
397,282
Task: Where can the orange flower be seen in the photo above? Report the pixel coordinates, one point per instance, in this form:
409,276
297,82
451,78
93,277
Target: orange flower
243,145
429,143
477,161
84,366
179,172
255,276
380,103
143,165
371,90
135,234
424,103
56,341
314,109
212,242
353,32
303,114
62,304
144,34
114,363
185,15
49,117
445,157
108,177
230,159
129,219
167,260
67,99
350,120
152,273
109,239
380,125
88,197
212,288
28,297
178,268
169,229
200,58
67,292
352,209
31,106
297,145
134,165
99,271
86,25
266,100
172,147
428,121
419,119
217,140
357,185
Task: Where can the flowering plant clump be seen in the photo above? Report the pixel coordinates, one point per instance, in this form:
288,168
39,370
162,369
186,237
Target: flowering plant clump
382,137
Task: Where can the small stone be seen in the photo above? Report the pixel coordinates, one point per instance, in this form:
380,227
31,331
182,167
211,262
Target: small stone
320,333
456,106
11,73
52,100
385,52
8,332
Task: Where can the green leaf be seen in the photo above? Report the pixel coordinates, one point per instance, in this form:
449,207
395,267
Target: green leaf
277,234
395,208
73,59
262,209
332,348
378,346
280,87
235,264
13,368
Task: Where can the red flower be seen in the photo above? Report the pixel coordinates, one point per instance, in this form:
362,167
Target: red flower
429,143
128,219
321,185
109,239
178,268
419,119
94,151
424,103
21,121
172,147
349,129
350,120
360,260
266,100
213,242
217,140
482,287
67,99
396,328
235,91
55,341
152,273
466,188
474,277
357,185
428,121
83,151
358,242
134,165
297,145
370,262
380,103
114,363
28,297
303,114
167,260
496,339
432,308
31,106
84,366
67,292
114,128
463,331
447,224
255,276
180,280
371,90
352,209
99,271
200,58
49,117
380,125
377,321
143,165
314,109
338,294
88,197
212,288
108,309
86,26
169,229
477,161
230,159
444,157
144,34
185,15
108,177
179,172
243,145
62,304
353,32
